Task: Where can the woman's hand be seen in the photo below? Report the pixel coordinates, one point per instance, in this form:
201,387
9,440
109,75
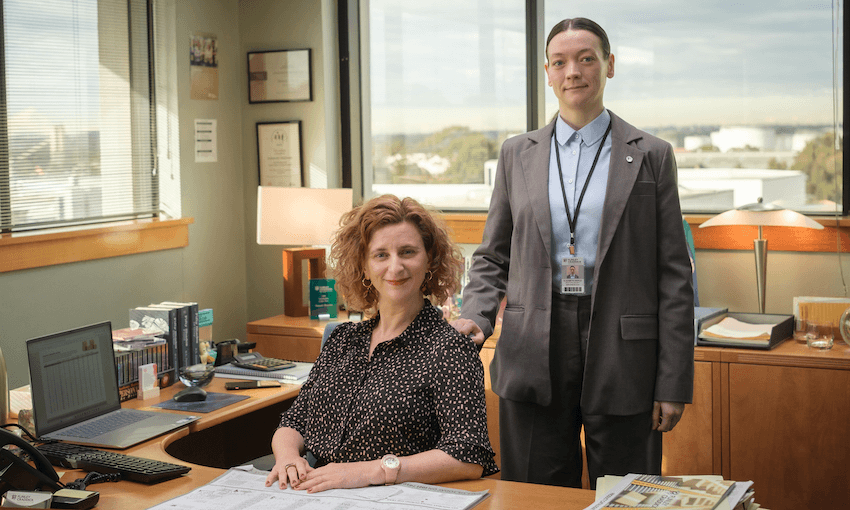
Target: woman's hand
292,470
348,475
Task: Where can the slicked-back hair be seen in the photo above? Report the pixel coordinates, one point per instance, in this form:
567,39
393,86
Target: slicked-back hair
580,24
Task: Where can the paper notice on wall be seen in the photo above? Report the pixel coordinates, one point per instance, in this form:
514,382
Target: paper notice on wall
206,146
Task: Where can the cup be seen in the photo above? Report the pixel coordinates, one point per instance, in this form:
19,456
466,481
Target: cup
819,335
800,330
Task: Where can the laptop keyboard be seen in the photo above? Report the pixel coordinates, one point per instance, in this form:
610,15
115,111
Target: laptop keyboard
135,469
102,425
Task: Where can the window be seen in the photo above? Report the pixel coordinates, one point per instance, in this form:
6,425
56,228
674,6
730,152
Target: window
85,135
750,94
447,85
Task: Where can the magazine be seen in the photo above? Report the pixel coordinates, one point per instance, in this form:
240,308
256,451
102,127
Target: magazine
668,492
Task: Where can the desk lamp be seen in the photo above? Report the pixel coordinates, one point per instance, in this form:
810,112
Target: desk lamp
760,214
300,217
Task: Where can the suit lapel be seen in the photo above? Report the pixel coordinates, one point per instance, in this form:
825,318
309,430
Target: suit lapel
625,163
535,170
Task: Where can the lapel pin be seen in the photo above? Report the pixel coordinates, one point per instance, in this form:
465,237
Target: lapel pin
629,159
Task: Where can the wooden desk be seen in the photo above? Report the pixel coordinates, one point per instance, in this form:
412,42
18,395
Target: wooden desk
240,431
779,418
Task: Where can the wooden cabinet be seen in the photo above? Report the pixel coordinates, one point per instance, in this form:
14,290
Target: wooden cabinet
780,418
293,338
774,417
785,419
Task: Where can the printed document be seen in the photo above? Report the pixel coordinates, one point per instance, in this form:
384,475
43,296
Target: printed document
245,486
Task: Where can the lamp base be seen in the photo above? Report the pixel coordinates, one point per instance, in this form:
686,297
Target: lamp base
293,282
760,250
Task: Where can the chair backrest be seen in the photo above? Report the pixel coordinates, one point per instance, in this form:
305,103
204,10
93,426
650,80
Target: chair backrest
329,327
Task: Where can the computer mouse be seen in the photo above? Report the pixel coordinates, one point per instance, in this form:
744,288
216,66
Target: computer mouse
191,394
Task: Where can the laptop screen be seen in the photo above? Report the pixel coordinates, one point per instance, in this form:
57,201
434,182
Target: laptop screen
72,377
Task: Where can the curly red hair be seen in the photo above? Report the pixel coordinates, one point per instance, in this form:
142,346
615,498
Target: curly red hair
348,251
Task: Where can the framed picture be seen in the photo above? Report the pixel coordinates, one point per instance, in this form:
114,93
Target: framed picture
279,152
283,75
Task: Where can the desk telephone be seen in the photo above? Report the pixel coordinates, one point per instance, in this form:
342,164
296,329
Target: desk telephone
16,474
256,361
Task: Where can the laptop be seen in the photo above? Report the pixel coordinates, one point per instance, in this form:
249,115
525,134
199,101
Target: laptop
75,398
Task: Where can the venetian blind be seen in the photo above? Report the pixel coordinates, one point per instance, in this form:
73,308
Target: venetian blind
79,116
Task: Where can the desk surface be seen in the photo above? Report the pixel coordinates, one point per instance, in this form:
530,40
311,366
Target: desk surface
132,496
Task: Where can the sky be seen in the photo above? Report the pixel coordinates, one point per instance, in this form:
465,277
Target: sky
751,62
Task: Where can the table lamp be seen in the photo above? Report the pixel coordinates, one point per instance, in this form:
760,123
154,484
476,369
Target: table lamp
301,217
760,214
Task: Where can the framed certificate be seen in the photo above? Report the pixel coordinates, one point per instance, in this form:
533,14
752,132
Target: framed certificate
277,76
279,152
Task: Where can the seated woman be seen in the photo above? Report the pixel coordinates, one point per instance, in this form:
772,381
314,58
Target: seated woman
398,397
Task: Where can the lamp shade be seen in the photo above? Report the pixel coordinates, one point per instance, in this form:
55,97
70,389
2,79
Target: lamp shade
763,215
299,216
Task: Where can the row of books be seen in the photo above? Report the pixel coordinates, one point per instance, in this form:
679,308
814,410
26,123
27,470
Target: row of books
164,333
707,492
179,325
127,363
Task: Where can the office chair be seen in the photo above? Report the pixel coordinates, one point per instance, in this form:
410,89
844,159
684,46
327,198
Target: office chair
266,462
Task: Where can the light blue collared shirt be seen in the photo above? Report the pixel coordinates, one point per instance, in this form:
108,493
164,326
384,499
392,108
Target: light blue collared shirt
577,150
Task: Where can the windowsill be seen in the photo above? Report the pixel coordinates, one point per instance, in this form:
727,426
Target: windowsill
468,228
62,246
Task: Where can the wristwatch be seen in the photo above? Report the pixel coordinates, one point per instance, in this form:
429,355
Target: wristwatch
390,464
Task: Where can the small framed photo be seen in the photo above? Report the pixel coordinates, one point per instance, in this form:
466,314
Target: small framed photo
279,153
279,76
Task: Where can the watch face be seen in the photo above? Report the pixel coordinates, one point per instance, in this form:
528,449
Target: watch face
391,462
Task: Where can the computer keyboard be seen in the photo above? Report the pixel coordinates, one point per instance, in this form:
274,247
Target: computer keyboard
102,425
136,469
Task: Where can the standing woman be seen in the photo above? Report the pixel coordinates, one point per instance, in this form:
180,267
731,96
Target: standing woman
399,397
611,351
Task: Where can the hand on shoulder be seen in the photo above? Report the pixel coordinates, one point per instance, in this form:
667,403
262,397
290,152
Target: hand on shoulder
470,328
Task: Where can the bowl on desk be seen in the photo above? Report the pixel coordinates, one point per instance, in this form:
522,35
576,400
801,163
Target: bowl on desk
198,375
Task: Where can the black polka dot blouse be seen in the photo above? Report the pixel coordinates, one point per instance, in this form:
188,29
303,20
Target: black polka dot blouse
422,390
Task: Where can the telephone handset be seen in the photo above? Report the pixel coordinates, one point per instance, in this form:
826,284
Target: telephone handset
16,474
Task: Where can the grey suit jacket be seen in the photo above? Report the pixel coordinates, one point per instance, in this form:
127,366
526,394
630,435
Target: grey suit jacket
640,346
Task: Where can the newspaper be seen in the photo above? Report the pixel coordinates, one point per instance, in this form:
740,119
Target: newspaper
668,492
244,486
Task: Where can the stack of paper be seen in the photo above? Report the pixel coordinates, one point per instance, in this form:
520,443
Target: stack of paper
733,329
708,492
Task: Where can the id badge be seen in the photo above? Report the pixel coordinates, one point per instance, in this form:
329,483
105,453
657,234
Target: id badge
572,275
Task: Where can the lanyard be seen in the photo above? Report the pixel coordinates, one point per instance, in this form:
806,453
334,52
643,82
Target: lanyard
573,221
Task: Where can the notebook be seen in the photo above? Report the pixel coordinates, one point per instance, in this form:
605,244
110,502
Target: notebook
292,375
75,398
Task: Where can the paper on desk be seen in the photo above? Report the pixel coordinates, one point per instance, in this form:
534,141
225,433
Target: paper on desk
733,328
239,487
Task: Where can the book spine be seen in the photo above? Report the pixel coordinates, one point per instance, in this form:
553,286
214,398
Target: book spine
174,339
194,324
185,339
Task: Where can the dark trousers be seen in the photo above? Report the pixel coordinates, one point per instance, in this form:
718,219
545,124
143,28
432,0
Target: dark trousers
541,444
